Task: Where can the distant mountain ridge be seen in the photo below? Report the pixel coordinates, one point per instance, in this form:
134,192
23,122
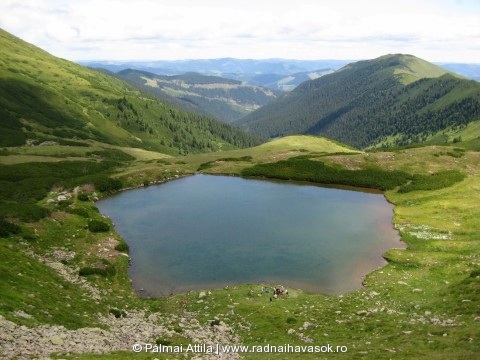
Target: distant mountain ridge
395,99
224,99
471,71
276,74
289,82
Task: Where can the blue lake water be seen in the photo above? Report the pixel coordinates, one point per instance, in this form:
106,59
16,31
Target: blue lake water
205,231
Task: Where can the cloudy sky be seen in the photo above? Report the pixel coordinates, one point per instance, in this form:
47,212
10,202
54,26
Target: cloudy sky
436,30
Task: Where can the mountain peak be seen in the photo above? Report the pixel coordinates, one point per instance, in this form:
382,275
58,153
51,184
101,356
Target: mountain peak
394,99
406,68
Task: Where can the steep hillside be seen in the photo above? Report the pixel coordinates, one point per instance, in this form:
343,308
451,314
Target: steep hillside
224,99
44,98
395,97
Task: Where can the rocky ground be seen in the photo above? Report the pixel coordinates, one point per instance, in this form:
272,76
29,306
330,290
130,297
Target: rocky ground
21,342
120,333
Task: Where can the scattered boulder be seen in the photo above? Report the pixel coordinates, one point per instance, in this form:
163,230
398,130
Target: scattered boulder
56,340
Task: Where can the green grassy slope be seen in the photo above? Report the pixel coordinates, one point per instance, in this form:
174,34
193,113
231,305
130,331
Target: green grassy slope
274,150
44,98
396,96
423,304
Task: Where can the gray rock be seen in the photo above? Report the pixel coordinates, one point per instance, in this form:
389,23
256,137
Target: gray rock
56,340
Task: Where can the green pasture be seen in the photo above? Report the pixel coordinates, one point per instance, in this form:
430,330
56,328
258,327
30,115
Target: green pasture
423,304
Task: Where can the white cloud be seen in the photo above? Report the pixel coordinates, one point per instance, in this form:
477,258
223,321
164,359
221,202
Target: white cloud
442,30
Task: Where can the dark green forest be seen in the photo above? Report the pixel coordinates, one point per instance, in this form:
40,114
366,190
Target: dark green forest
221,98
176,129
366,102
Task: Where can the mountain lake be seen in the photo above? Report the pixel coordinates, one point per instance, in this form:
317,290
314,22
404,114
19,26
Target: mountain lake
206,231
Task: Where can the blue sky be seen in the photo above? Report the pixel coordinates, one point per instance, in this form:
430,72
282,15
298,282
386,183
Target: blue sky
435,30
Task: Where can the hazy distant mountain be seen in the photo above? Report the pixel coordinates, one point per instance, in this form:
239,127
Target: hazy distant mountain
394,99
220,66
278,74
224,99
471,71
286,82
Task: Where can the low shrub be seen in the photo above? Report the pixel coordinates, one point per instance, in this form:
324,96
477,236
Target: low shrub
112,154
64,204
87,270
98,226
304,168
23,185
434,181
122,247
178,329
242,158
107,184
475,273
215,322
117,313
455,154
108,270
24,211
163,342
291,320
83,197
29,236
79,211
206,166
7,228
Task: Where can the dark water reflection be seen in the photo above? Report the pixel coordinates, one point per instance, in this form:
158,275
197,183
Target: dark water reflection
207,231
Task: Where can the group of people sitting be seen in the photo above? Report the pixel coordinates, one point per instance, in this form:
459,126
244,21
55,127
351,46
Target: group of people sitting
279,291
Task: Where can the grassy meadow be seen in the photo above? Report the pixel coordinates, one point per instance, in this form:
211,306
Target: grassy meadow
425,304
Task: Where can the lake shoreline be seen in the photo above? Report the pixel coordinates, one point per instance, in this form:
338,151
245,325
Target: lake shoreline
366,267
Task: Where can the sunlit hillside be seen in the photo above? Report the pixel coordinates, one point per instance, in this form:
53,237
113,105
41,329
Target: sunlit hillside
393,100
44,98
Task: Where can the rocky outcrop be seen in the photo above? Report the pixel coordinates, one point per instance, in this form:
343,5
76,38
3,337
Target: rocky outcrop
21,342
116,333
